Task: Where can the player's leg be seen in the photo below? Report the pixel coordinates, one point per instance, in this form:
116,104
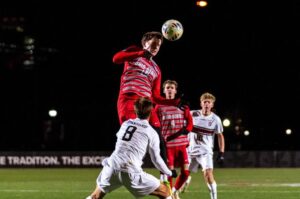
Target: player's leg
207,166
183,162
143,184
186,184
171,156
107,181
189,164
125,107
163,192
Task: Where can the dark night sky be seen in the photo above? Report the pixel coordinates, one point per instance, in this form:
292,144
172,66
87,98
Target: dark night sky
244,53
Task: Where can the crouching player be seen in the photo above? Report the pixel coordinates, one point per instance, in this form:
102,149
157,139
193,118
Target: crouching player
124,166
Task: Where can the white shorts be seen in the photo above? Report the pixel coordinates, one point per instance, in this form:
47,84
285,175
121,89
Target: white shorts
138,184
205,161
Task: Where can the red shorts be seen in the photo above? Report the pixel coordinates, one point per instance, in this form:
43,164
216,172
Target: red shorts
126,109
177,156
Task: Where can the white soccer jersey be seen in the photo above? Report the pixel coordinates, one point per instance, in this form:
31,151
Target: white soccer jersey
202,136
134,138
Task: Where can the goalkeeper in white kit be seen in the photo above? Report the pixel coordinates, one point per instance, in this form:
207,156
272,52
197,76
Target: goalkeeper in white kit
124,167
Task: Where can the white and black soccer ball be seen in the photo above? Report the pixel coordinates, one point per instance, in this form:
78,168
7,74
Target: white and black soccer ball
172,30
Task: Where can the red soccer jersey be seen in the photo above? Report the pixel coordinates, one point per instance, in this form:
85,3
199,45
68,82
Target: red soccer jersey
141,76
172,119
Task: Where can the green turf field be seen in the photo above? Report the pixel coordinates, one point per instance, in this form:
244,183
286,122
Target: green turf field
78,183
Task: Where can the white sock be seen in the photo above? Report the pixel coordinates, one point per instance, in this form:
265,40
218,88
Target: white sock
212,190
163,177
173,189
169,197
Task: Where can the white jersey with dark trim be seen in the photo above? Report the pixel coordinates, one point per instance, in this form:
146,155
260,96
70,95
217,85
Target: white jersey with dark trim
134,139
201,138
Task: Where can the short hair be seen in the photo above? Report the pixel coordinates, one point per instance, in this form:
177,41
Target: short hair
149,35
207,95
143,107
170,82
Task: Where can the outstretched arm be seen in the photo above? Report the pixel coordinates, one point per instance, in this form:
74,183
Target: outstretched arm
157,98
128,54
156,159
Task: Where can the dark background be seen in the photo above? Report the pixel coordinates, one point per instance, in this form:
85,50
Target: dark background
244,52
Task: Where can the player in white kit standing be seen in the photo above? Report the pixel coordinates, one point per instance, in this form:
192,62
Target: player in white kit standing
123,167
206,125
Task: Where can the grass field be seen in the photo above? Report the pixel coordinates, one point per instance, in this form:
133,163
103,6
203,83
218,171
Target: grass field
78,183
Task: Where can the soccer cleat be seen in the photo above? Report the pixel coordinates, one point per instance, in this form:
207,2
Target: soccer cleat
89,197
167,183
185,185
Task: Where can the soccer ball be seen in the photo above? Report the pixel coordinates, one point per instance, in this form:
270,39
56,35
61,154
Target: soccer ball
172,30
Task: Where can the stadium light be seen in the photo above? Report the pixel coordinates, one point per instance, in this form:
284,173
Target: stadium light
246,132
201,3
52,113
288,131
226,122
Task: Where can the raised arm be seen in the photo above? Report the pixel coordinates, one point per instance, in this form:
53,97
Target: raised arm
157,98
128,54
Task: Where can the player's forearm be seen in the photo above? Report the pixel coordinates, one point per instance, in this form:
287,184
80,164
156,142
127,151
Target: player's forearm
159,163
221,142
157,99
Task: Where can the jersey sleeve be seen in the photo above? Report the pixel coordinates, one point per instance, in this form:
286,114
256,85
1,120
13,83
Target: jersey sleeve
154,118
219,126
188,118
128,54
154,152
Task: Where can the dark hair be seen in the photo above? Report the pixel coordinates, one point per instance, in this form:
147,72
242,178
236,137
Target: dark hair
149,35
143,107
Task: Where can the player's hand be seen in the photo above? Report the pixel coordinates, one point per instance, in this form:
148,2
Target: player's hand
220,158
184,131
147,54
174,173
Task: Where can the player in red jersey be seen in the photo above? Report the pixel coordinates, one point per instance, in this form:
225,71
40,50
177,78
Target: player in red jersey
141,78
178,122
141,75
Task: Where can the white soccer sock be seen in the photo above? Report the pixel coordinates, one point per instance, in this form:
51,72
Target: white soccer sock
169,197
212,190
173,189
163,177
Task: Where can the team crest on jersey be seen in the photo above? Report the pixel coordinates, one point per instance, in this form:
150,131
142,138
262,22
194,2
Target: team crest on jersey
195,114
210,122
